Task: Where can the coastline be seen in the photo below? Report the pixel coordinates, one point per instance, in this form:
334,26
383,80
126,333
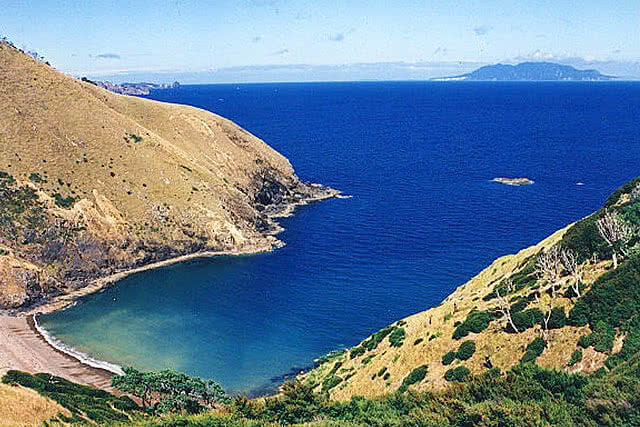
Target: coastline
24,345
24,348
270,243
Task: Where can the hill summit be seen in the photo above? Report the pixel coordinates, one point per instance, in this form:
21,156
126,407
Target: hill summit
93,183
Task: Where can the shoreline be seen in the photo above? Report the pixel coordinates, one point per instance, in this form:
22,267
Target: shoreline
24,345
65,301
62,302
24,348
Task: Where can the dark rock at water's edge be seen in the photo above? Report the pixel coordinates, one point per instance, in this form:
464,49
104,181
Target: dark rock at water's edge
273,386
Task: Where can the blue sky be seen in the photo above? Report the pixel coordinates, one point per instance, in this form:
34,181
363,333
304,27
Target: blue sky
280,40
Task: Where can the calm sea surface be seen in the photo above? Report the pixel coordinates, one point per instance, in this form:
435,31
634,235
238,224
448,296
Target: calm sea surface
418,159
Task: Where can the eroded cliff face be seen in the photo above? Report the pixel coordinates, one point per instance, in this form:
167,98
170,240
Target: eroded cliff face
92,183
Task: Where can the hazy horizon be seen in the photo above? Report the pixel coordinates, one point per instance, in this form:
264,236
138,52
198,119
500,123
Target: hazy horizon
299,40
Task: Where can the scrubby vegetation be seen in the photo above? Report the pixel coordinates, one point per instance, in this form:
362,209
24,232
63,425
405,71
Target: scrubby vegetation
526,319
465,351
526,395
131,137
414,377
576,357
534,349
396,338
457,374
85,403
449,357
476,321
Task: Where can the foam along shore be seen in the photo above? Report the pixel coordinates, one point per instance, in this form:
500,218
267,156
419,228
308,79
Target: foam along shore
22,347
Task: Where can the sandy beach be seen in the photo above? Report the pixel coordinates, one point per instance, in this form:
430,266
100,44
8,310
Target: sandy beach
23,348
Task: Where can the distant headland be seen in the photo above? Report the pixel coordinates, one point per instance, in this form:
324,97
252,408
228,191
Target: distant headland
529,71
143,88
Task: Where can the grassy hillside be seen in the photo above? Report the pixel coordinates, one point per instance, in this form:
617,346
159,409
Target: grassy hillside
94,182
468,334
22,406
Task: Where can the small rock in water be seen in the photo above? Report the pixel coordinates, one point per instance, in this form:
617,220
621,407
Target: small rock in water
513,181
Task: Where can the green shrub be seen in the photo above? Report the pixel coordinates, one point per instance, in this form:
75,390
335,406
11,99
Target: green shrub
613,298
64,202
601,338
330,382
335,368
332,355
631,345
526,319
520,305
558,318
534,349
357,352
414,377
382,371
466,350
435,336
368,359
131,137
418,341
396,338
575,357
457,374
35,177
449,357
476,321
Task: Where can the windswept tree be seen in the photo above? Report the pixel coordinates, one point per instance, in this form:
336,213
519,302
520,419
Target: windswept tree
546,317
170,391
617,233
574,268
504,307
549,267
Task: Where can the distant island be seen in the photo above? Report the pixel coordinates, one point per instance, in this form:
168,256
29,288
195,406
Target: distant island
143,88
530,71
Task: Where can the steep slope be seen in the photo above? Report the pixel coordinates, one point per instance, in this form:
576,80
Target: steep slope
469,334
25,407
94,182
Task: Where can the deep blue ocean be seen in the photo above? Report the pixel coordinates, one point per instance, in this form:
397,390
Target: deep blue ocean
418,159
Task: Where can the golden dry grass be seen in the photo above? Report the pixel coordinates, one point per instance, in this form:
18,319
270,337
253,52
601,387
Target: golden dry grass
77,137
503,349
125,159
21,406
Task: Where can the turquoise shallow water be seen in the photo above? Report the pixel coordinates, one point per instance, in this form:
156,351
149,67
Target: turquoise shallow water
424,218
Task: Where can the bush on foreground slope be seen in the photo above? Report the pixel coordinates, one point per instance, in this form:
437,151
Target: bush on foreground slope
526,395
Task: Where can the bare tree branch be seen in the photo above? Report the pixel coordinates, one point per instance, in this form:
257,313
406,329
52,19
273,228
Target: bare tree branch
548,267
616,233
574,268
504,307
